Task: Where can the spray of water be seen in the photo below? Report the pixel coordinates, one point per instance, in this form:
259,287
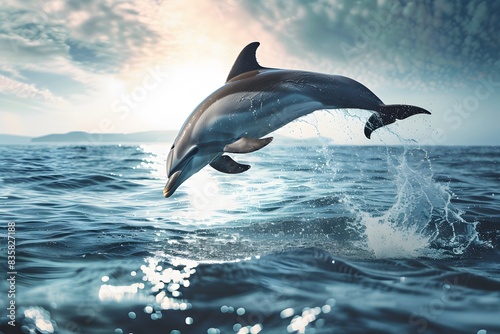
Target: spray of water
421,220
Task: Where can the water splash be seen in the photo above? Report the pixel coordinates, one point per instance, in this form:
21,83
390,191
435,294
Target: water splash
421,221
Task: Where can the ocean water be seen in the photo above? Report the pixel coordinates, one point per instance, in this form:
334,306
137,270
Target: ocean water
314,238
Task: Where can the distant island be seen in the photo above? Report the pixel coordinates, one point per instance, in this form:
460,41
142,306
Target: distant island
93,138
88,138
13,139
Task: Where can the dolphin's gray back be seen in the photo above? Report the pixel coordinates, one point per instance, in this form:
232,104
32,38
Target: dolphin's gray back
276,97
333,91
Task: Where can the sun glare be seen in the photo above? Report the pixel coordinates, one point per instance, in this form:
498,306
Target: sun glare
182,89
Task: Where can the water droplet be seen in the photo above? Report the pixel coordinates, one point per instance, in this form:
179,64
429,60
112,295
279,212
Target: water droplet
240,311
256,329
482,331
189,321
118,331
331,302
154,316
288,312
105,279
244,330
132,315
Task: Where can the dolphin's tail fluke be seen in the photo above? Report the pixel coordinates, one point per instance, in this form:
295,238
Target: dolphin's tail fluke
388,114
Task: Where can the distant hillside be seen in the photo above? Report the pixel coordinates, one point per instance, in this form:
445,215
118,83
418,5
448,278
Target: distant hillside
13,139
96,138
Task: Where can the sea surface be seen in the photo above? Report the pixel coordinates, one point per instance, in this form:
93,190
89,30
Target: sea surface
314,238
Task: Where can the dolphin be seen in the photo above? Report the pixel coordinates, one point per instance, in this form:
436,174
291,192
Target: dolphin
256,101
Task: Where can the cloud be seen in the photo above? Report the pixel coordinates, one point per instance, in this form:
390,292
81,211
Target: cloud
438,41
93,52
87,41
26,91
102,36
73,49
89,53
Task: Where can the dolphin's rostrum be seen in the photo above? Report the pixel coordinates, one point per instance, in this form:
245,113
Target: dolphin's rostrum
256,101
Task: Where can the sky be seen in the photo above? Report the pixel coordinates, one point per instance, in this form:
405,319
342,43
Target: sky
126,66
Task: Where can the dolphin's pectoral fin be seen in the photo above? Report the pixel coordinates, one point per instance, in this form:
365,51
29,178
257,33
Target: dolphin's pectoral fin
225,164
247,145
388,114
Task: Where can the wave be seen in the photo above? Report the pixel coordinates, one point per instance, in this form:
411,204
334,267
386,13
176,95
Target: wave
295,291
367,202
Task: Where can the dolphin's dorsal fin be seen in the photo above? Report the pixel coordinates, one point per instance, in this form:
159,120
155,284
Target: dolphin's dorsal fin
225,164
247,145
245,62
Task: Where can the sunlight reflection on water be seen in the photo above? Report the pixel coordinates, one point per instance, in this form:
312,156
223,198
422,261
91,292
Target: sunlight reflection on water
163,284
38,319
206,200
99,240
156,155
